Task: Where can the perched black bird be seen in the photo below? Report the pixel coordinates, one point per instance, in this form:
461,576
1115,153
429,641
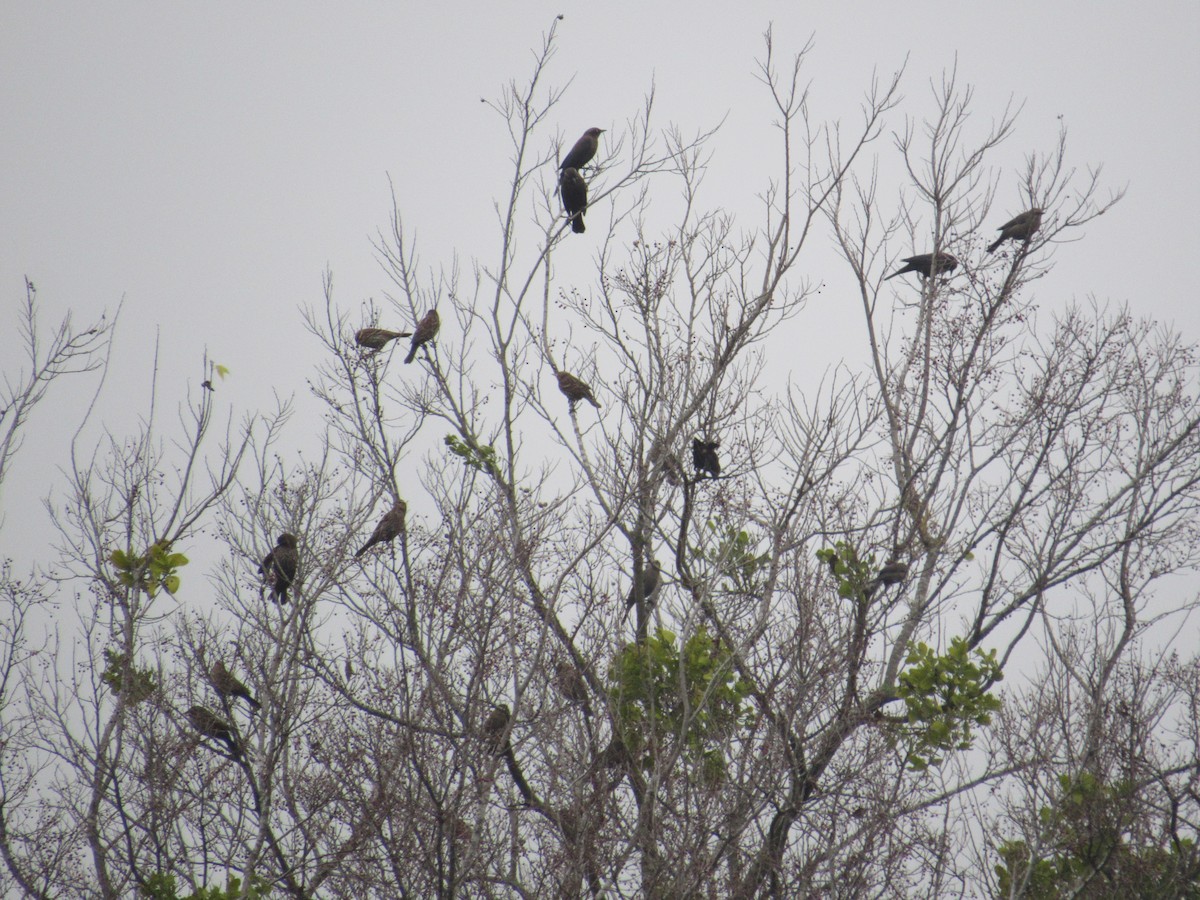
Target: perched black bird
704,457
495,728
228,684
583,151
1019,228
574,389
377,338
427,330
892,573
210,725
923,265
391,525
573,189
278,567
649,582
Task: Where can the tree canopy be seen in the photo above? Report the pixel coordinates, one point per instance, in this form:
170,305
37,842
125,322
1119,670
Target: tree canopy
679,624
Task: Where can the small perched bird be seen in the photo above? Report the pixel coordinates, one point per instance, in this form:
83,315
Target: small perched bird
279,567
574,389
704,457
377,338
573,189
427,330
923,264
495,727
648,582
228,684
391,525
1019,228
583,151
614,756
893,572
210,725
569,682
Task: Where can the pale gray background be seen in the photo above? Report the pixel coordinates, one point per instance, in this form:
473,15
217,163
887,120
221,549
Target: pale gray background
207,162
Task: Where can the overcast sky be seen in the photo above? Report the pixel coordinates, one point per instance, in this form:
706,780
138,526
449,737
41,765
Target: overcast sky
205,163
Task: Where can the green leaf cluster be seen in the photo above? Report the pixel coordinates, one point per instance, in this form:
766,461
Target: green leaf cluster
734,557
150,572
852,573
121,675
945,695
1083,834
480,458
161,886
662,696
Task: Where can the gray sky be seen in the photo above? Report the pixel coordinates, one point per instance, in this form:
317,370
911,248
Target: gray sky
207,162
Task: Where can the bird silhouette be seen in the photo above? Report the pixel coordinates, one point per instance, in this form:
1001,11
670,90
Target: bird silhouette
704,457
495,728
377,338
573,190
1019,228
279,567
569,682
427,330
924,266
574,389
210,725
583,151
228,684
893,572
391,525
648,584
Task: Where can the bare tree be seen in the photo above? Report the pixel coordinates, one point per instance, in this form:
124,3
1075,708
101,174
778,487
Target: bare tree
920,632
66,352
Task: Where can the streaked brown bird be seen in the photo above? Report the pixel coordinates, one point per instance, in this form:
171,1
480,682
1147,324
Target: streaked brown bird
427,330
569,682
573,190
495,728
583,151
924,266
377,338
648,583
391,525
278,567
704,457
210,725
1019,228
574,389
229,685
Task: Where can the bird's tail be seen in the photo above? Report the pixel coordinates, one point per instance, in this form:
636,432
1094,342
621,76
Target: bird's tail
577,225
367,546
412,354
254,704
894,275
592,400
996,243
